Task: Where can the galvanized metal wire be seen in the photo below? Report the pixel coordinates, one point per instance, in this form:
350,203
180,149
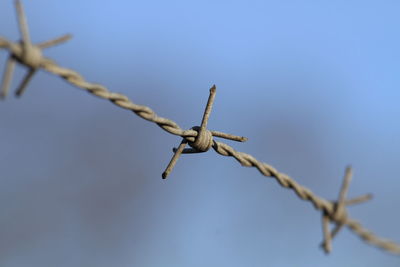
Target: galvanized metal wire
198,137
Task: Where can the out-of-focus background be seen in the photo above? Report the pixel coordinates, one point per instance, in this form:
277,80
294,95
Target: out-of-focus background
314,85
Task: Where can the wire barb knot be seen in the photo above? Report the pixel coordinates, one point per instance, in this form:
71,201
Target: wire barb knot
25,53
30,56
338,215
203,141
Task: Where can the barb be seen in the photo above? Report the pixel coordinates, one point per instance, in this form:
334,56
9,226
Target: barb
204,140
339,215
26,53
199,138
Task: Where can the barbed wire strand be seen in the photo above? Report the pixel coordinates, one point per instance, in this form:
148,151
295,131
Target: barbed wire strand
199,138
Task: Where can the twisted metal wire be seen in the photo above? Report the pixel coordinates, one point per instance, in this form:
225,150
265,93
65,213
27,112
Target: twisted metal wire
304,193
332,211
101,91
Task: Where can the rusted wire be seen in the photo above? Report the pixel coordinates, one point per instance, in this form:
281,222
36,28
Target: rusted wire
198,137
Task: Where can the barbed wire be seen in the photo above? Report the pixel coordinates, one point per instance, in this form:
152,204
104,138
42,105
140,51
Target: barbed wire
199,138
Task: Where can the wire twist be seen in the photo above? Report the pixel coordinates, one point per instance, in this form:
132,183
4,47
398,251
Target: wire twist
198,137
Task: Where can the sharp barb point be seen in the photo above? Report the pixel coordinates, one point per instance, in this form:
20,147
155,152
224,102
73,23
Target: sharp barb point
345,187
174,158
54,42
7,76
358,200
208,109
22,23
28,77
326,244
213,89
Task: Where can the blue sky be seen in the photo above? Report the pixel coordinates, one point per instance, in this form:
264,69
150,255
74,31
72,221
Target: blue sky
312,84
